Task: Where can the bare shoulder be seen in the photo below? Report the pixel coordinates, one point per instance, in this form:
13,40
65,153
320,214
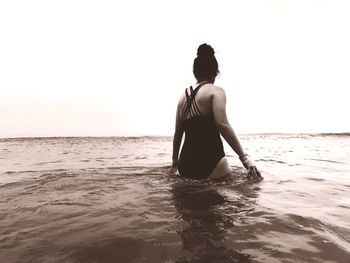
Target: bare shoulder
181,100
217,90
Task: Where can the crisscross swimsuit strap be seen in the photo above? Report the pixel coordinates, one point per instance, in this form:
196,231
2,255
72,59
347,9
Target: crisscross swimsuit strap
191,108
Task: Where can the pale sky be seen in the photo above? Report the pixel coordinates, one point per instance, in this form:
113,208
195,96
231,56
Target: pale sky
110,68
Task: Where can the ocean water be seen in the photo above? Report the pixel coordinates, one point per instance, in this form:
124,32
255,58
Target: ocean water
113,200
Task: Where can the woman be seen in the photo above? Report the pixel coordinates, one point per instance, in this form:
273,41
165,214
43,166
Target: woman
201,114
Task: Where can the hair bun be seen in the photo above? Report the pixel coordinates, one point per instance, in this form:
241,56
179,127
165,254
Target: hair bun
205,50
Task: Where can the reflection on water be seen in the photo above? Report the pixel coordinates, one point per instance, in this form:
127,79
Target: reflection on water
208,215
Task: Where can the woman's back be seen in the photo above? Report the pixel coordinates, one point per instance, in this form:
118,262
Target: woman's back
203,148
203,99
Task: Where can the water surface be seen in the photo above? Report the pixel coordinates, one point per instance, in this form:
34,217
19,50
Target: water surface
112,200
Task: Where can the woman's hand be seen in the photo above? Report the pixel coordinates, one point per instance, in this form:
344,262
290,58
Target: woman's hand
173,168
253,172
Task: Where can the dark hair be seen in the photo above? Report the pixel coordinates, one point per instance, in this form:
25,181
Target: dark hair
205,65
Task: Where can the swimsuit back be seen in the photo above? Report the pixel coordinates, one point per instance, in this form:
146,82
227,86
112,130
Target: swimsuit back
190,108
203,148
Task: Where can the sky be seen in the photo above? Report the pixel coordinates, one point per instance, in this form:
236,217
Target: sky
118,68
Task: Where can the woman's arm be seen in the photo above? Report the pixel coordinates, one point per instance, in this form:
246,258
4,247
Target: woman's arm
220,117
177,138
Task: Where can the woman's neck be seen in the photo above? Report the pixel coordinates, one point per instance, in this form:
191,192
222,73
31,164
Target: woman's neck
205,80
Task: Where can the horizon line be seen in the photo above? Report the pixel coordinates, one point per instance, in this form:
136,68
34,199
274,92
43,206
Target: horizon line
140,136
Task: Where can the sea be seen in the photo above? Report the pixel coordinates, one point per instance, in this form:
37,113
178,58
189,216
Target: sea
112,199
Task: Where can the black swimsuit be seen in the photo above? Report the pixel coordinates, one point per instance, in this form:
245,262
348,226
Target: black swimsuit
202,149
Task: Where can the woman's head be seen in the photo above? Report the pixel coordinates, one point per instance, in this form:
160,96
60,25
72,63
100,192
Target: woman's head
205,65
